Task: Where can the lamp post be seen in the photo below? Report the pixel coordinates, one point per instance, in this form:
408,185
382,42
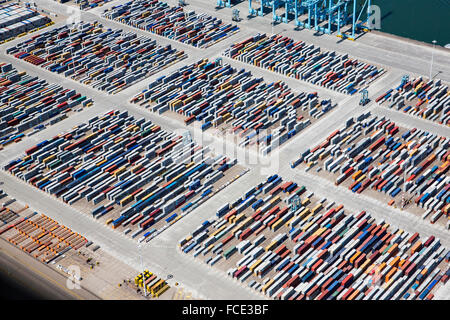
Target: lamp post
432,57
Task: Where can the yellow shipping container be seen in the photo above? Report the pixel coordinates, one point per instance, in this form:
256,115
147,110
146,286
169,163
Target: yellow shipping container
276,225
100,162
317,208
254,265
305,213
119,171
287,224
148,196
125,200
361,178
218,230
267,285
271,246
53,156
356,174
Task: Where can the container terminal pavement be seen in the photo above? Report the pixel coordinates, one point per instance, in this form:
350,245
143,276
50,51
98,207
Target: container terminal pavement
190,221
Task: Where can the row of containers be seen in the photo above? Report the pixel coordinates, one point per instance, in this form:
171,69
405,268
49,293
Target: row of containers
85,4
303,61
28,104
373,154
281,240
219,96
16,20
173,22
428,99
106,59
129,171
151,284
37,234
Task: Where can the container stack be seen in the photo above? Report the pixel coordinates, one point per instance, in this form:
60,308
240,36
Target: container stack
28,104
16,20
128,170
314,250
307,62
421,98
198,30
373,153
106,59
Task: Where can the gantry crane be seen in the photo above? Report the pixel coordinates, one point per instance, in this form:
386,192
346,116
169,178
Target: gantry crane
364,97
336,14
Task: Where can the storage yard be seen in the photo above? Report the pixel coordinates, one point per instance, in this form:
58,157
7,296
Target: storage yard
287,243
147,165
153,286
374,154
106,59
421,98
36,234
235,102
126,170
60,248
198,30
306,62
17,21
29,104
85,4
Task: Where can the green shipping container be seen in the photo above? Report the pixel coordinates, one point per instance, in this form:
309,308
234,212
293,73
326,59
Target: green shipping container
228,253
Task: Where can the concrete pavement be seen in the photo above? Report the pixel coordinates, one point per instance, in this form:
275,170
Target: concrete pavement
161,254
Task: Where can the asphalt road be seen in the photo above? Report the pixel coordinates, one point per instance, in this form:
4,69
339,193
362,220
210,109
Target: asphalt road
162,254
